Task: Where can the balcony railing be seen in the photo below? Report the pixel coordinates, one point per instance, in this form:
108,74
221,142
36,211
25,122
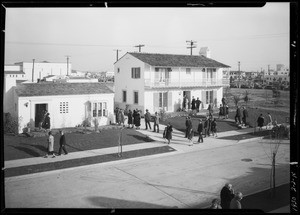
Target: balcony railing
153,83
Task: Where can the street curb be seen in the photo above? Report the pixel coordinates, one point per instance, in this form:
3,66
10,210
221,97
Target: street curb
250,139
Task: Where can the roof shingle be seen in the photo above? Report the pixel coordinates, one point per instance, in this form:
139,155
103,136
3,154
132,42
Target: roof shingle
52,88
177,60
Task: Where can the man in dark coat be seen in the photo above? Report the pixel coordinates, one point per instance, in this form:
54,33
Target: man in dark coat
46,124
193,103
238,115
198,102
188,124
260,121
62,143
156,122
226,194
245,115
200,130
147,119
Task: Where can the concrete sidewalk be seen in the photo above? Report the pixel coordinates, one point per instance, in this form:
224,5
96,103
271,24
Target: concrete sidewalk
178,142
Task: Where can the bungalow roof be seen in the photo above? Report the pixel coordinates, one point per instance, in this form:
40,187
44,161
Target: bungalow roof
54,88
172,60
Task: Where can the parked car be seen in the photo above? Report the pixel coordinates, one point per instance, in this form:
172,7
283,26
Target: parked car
245,86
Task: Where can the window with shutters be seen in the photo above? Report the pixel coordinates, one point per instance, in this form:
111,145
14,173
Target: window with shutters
136,72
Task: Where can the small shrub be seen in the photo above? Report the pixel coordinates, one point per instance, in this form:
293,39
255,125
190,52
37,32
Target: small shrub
11,124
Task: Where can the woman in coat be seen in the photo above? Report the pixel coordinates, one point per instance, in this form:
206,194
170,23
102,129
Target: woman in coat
214,128
137,119
168,132
130,124
50,149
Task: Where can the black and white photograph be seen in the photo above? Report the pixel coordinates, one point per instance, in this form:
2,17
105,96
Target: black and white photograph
114,108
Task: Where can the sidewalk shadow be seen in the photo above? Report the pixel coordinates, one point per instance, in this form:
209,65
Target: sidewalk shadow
40,147
27,150
107,202
143,139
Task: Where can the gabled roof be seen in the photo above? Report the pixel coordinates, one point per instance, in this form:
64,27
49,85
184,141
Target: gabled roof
53,88
171,60
14,72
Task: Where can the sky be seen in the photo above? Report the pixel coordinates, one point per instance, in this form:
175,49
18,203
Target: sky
255,37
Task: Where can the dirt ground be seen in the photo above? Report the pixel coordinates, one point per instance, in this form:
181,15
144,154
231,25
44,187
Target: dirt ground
260,98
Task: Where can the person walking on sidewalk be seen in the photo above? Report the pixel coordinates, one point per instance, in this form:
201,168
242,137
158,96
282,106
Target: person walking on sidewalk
156,122
62,143
238,115
226,195
210,110
236,201
200,130
137,121
214,128
130,124
187,125
168,132
226,111
147,119
50,149
245,115
205,126
190,134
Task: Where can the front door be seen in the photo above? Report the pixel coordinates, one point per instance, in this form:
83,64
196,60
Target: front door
40,110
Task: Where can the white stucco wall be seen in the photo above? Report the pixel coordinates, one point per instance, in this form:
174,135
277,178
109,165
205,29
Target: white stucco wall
77,109
123,81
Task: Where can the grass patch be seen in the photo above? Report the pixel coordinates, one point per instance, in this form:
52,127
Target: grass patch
16,147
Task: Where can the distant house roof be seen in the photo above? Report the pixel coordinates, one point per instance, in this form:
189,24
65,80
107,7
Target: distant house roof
53,88
177,60
14,72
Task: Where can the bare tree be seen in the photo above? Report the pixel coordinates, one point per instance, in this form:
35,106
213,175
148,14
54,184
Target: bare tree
246,98
236,99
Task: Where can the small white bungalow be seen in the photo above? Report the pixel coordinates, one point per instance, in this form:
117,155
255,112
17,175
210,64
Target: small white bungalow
69,104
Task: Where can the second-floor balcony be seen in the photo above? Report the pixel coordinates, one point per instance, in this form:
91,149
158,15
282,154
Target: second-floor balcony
168,83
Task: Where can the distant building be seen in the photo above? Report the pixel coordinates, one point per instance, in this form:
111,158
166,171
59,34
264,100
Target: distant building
161,81
39,70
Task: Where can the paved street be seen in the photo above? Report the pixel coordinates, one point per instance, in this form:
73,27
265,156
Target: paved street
188,178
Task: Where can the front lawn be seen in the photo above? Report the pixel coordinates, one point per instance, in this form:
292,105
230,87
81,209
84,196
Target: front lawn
18,147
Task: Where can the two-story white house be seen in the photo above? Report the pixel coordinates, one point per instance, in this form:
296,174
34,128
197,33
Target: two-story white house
160,81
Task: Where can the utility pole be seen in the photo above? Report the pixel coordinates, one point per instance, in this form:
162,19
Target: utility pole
268,69
68,64
192,45
117,50
239,65
33,69
139,46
